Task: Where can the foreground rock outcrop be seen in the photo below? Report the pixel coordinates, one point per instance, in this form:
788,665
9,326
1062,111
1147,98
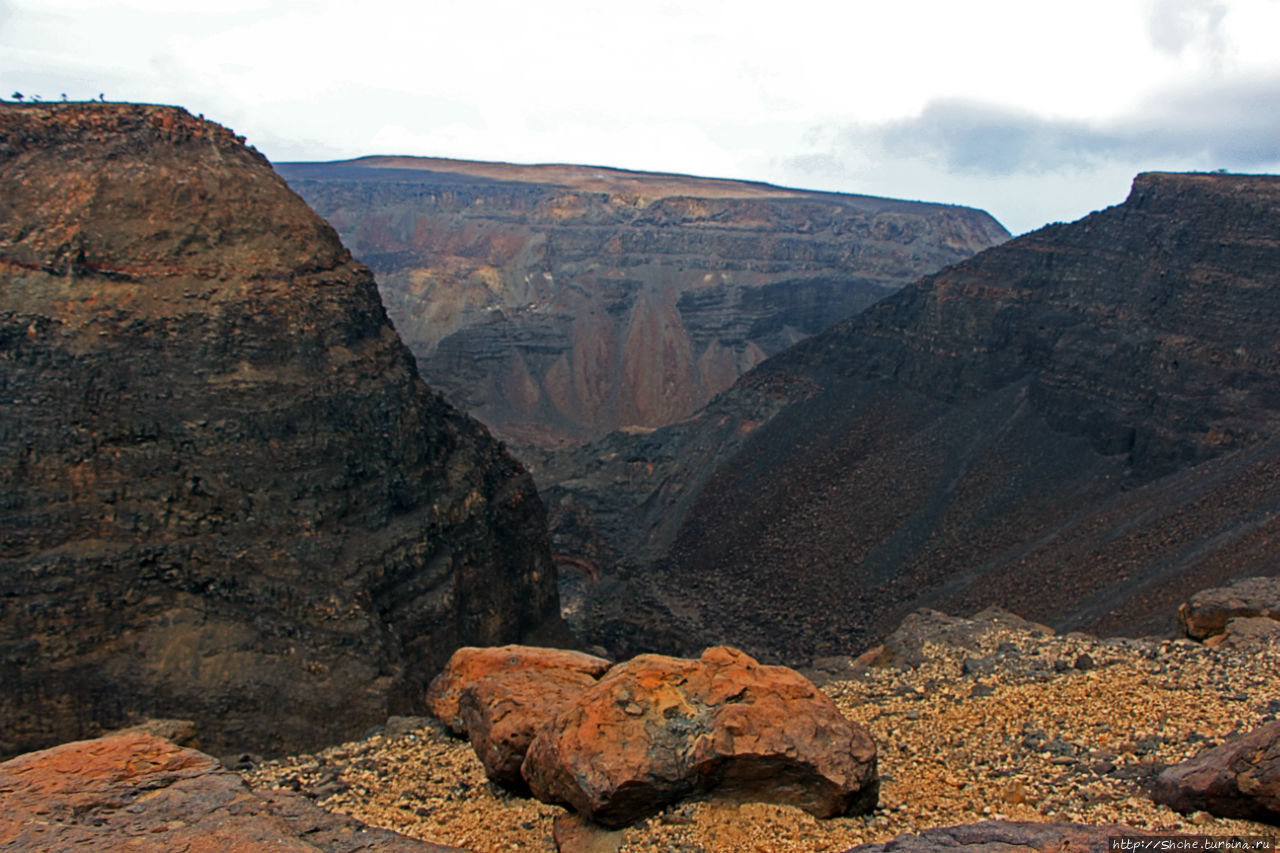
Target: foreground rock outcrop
1080,425
656,729
1239,778
1209,611
228,496
1003,836
557,303
996,721
139,793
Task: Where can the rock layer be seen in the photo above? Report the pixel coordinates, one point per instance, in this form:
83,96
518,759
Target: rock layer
556,303
228,496
1081,425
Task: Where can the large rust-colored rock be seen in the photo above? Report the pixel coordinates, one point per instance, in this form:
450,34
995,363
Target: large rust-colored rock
657,728
138,793
557,303
1080,425
469,664
502,712
1209,610
1238,778
227,495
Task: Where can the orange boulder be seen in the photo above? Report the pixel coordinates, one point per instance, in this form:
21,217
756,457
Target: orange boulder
469,664
502,712
658,728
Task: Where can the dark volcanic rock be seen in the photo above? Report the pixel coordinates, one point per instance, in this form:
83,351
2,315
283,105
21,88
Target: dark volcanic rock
1239,778
1080,425
137,792
556,303
656,729
1209,610
1004,836
227,495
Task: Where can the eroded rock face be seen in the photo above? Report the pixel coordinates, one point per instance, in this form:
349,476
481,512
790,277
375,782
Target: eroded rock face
1080,425
228,496
468,665
1239,778
136,792
656,729
557,303
1209,610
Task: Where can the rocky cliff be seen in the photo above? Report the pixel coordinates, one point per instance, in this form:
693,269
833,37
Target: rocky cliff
1082,424
227,495
557,303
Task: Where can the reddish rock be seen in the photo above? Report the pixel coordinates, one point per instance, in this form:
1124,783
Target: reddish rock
1239,778
1001,836
136,792
470,664
658,728
1246,632
503,711
1209,610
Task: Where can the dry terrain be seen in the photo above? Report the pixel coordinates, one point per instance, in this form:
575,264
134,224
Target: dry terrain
1026,727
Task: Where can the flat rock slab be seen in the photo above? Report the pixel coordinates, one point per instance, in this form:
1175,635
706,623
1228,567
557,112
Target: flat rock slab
1004,837
136,792
1209,610
1239,778
469,664
656,729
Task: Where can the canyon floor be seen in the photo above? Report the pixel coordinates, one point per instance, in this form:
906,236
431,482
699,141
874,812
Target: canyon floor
1015,724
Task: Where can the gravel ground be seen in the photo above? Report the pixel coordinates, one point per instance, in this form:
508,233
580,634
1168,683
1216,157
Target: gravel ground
1025,727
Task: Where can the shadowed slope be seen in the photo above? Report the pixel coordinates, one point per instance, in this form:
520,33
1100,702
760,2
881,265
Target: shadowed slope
227,494
1078,425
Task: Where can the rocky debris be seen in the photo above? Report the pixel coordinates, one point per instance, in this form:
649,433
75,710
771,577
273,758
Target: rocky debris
228,496
1207,613
469,664
557,303
137,792
989,434
995,836
1036,739
656,729
911,642
1238,778
503,712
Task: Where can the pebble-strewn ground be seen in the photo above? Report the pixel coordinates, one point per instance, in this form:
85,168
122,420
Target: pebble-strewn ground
1025,728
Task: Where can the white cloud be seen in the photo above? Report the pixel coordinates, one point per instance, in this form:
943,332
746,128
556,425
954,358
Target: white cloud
997,90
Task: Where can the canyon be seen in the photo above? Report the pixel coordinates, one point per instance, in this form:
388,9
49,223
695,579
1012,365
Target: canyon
1081,424
558,303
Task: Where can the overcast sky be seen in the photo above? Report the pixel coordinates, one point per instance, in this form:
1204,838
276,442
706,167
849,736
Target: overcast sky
1036,111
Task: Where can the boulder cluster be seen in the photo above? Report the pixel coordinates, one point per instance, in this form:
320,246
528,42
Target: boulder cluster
618,743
